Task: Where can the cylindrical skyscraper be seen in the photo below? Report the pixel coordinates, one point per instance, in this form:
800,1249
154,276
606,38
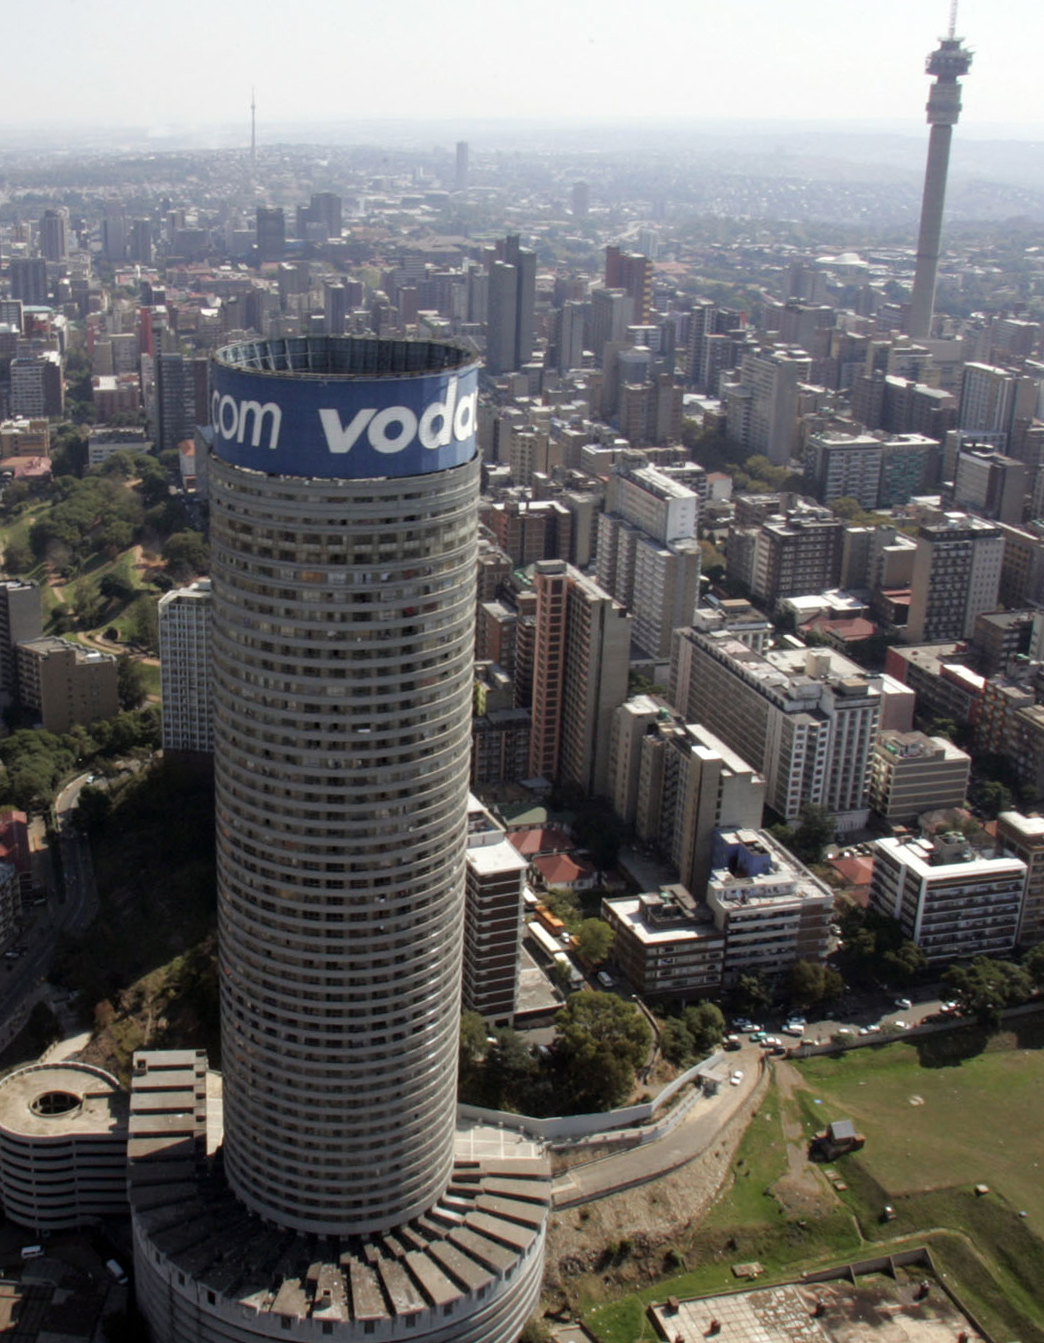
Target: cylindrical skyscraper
947,64
344,514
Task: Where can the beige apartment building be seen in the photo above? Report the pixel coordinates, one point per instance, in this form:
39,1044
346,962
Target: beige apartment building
911,773
65,683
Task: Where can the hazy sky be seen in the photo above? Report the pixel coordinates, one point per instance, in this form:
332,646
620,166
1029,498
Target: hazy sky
192,63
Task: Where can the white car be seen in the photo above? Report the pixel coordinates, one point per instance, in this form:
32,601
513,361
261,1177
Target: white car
903,1004
736,1078
792,1028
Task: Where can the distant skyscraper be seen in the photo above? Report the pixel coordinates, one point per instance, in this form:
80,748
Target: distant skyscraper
141,242
335,304
114,232
581,200
511,306
947,64
52,235
631,272
28,276
271,233
460,179
343,681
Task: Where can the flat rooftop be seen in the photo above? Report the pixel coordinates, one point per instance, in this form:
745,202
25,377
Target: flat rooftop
873,1307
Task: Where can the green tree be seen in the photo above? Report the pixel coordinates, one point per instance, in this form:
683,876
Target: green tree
472,1037
815,830
594,940
187,554
751,993
904,963
1033,964
985,987
706,1026
676,1044
804,983
991,797
143,622
18,557
601,1041
131,682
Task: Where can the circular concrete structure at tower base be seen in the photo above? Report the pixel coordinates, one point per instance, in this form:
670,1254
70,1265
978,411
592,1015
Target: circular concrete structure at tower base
63,1146
468,1271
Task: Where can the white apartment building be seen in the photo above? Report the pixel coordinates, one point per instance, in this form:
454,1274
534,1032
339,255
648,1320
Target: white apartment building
185,681
771,910
648,557
956,577
805,718
948,898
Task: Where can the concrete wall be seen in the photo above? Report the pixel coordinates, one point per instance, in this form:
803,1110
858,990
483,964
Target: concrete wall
580,1126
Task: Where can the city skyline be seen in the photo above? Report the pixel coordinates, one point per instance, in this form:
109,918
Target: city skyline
726,65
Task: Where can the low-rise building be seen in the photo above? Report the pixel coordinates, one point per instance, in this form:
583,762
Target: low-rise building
666,943
771,910
911,773
64,683
947,897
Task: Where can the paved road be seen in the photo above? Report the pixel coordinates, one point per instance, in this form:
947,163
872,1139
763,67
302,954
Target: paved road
21,981
699,1130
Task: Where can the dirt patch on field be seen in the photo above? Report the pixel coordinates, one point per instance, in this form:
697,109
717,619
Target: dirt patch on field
803,1190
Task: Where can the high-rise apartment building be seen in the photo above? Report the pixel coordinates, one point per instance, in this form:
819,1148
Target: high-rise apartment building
185,674
37,385
631,272
21,619
992,484
911,773
992,399
956,576
496,873
648,557
787,556
804,718
1023,837
580,664
343,544
762,409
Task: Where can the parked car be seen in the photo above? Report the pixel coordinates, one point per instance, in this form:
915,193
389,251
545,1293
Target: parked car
605,979
903,1004
736,1078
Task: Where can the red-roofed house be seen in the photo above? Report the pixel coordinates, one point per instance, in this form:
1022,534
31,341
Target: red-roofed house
570,874
541,839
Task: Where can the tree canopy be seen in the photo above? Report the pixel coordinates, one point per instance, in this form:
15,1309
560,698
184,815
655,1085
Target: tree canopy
601,1041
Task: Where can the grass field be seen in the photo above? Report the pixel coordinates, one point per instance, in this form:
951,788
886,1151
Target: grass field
939,1116
974,1118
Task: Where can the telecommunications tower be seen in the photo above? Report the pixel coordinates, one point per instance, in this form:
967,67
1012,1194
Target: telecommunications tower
947,64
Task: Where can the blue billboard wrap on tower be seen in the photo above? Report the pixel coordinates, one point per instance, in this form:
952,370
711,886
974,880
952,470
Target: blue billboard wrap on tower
301,408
